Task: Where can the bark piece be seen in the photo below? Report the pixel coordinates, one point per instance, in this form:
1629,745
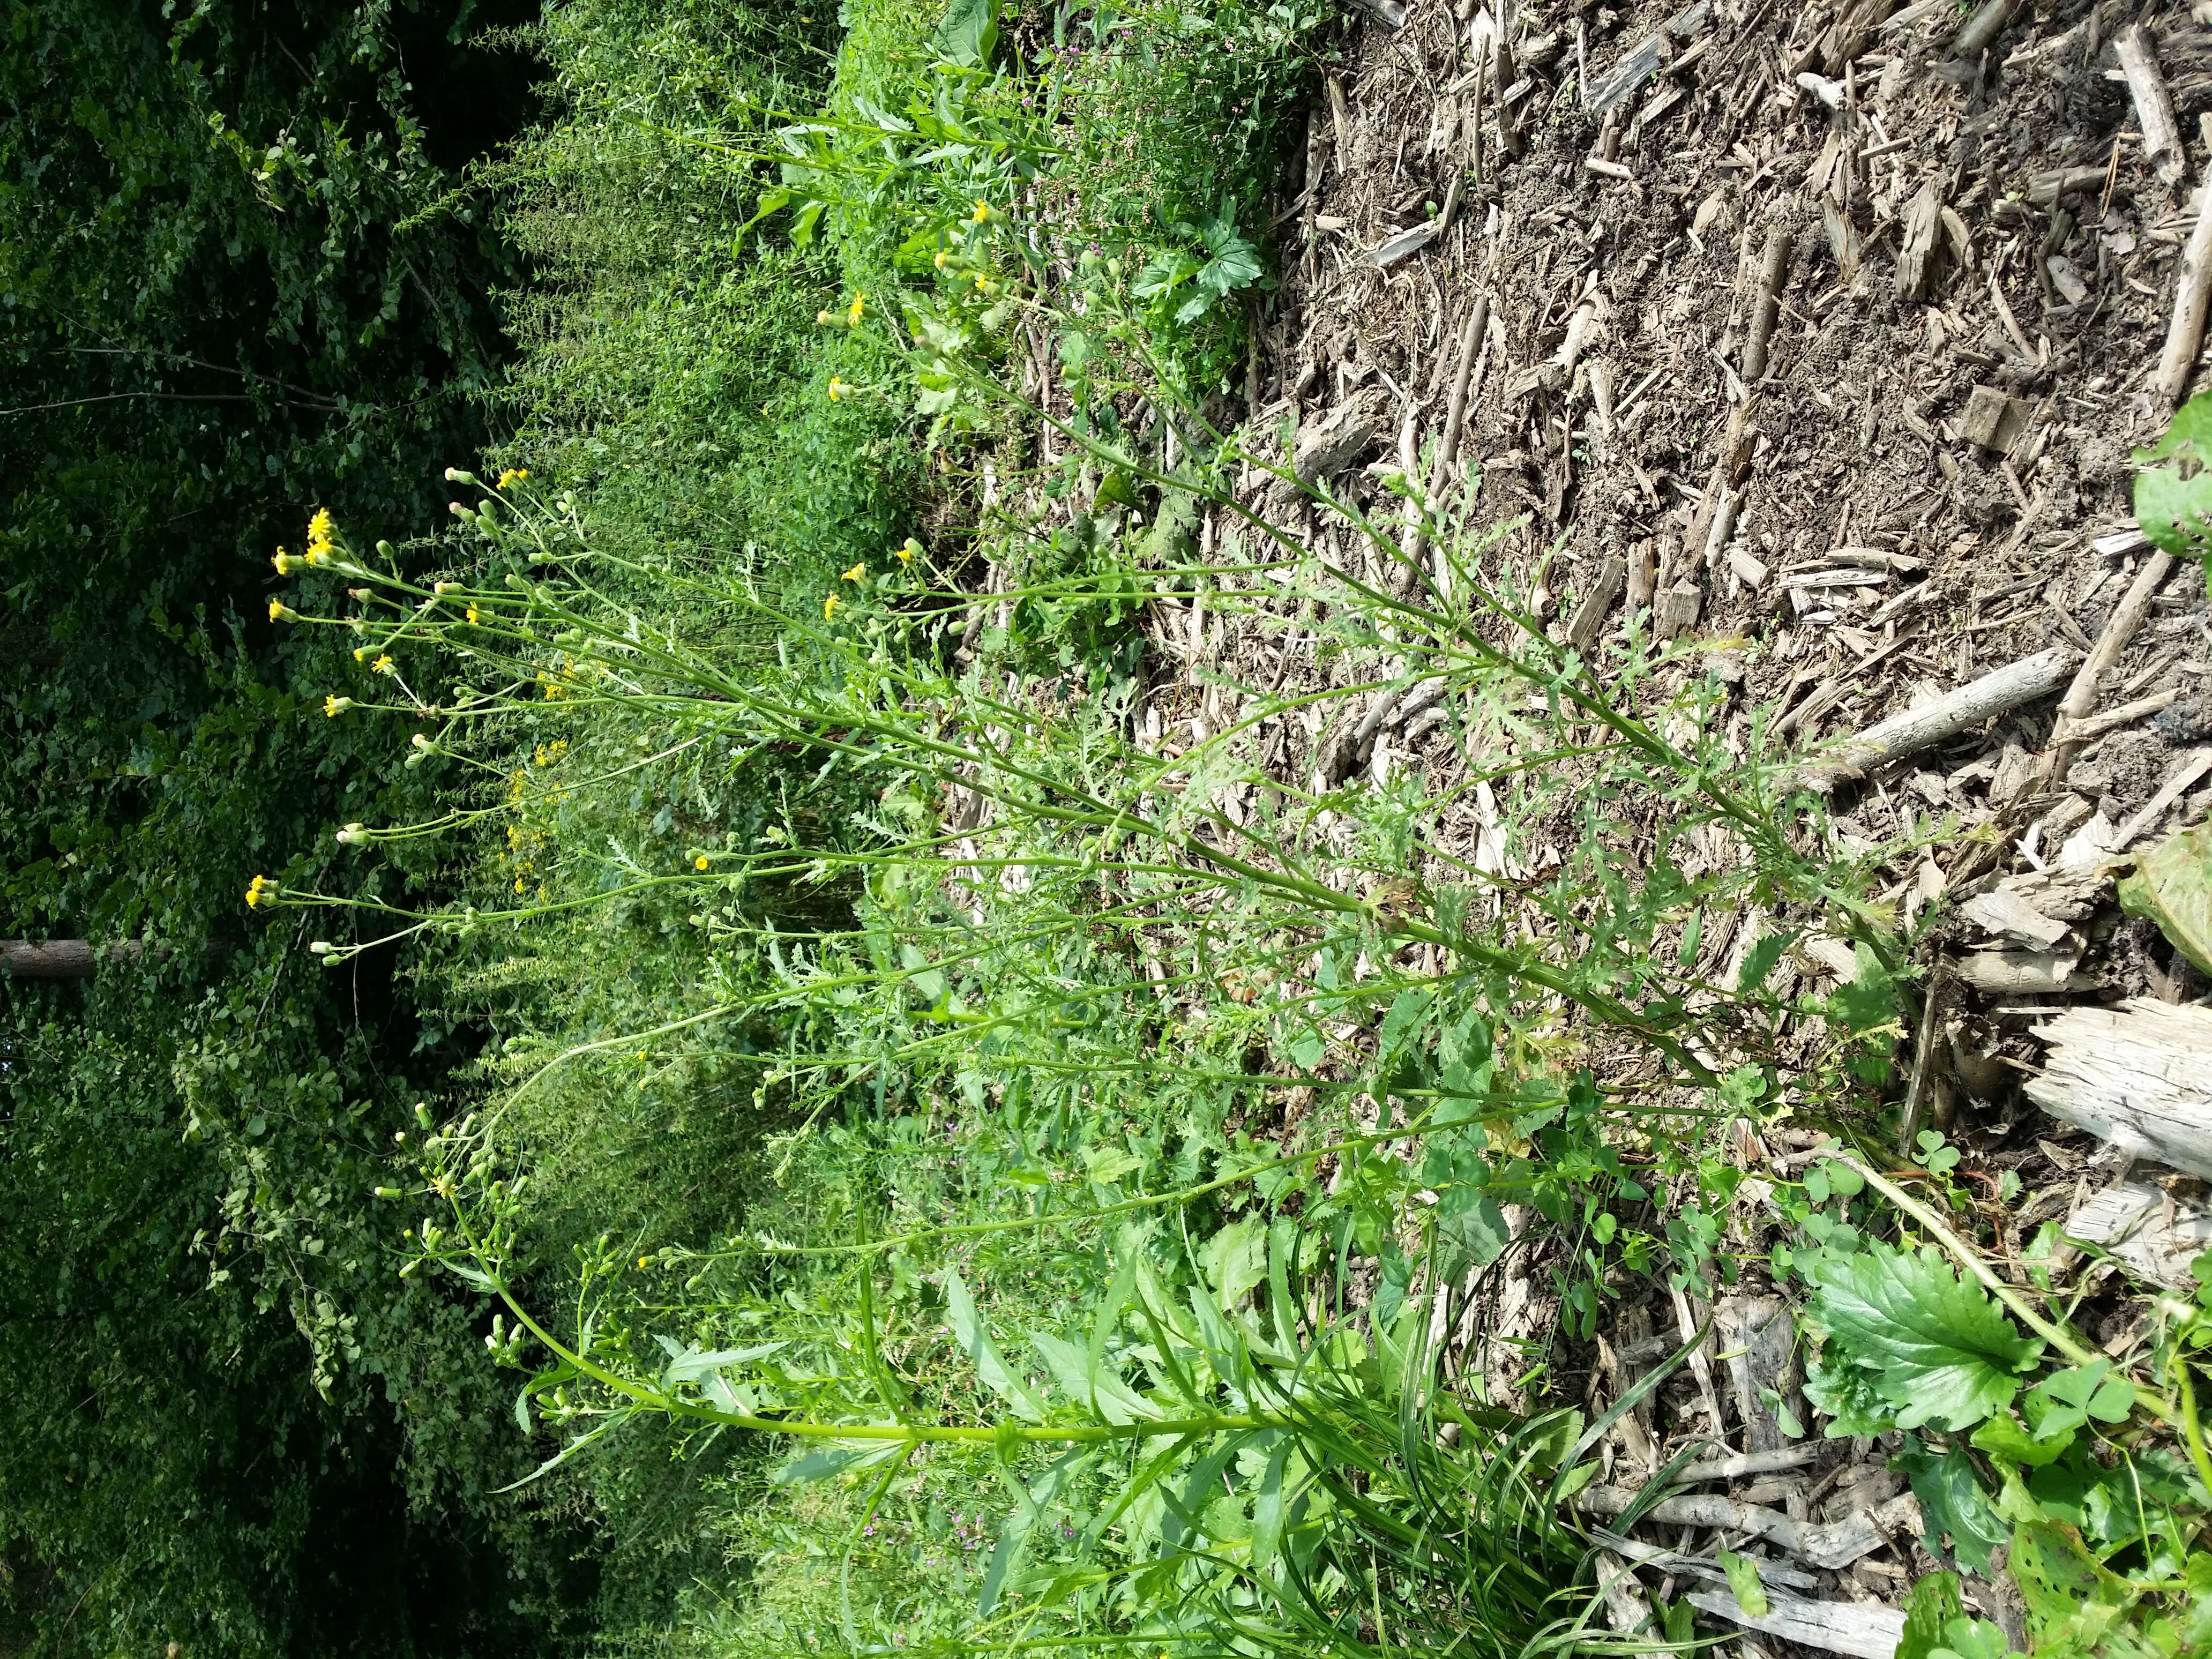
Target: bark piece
1863,1629
2192,767
1628,1609
1982,29
2161,132
1758,1339
2139,1076
1992,420
77,958
1678,609
1698,1566
1341,437
1852,34
2025,972
2005,912
2144,1228
1997,692
1402,245
2082,695
1590,613
1917,242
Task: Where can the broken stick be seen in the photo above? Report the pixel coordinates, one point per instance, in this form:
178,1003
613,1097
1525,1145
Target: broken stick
1997,692
1772,271
2067,736
1470,346
2184,333
2161,132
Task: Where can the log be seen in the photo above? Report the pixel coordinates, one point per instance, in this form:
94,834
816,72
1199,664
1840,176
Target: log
60,958
78,958
1997,692
2135,1076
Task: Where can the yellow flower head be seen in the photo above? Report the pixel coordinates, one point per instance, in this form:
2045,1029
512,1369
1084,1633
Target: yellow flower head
942,258
853,312
320,532
906,552
837,388
258,889
856,573
381,665
699,863
517,883
472,616
513,475
283,561
823,316
829,607
643,1261
335,706
280,611
983,214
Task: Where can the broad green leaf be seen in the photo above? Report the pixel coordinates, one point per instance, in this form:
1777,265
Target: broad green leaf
974,1341
1934,1604
1470,1223
1094,1386
1236,1259
2174,501
1951,1501
2172,886
970,33
1408,1010
1968,1638
2059,1580
1934,1348
1743,1580
823,1462
2003,1437
1109,1164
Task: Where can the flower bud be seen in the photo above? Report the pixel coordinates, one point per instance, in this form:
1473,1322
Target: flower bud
454,475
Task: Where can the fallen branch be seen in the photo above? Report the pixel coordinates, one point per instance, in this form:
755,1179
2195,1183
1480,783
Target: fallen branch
2184,333
2067,737
2161,132
1831,1544
1997,692
1862,1629
1773,270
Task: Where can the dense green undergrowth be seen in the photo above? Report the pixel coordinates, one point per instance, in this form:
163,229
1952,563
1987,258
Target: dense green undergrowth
952,1169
